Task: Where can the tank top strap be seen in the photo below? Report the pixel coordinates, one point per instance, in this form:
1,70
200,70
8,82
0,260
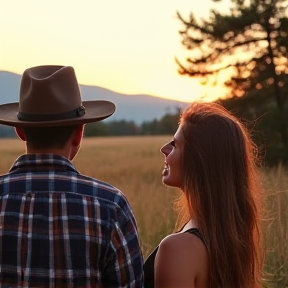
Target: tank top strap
196,232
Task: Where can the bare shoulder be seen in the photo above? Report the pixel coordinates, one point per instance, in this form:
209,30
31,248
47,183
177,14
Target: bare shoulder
181,259
185,245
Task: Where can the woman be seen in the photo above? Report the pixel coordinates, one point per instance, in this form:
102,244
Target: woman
213,161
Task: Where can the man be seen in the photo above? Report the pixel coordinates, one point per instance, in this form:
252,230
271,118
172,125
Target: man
59,228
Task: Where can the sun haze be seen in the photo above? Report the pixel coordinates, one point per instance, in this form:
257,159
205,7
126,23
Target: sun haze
126,46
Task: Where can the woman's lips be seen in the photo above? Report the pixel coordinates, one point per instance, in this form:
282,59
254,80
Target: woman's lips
165,171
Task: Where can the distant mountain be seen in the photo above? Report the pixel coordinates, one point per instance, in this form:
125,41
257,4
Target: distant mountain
137,108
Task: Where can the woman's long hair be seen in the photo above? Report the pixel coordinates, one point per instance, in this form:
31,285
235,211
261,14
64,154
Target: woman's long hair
221,189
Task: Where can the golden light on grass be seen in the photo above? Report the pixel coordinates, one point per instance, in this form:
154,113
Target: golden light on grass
134,165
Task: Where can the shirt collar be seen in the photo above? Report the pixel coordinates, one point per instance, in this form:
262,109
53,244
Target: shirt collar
42,162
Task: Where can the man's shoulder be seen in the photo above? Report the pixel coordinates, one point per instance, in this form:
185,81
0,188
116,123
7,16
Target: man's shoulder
95,187
70,182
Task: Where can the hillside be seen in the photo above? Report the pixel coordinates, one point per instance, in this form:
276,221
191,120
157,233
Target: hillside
137,108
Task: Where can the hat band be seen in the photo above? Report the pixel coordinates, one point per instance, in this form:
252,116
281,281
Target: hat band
80,111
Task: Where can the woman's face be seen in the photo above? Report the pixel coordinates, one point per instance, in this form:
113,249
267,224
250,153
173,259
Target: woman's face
171,175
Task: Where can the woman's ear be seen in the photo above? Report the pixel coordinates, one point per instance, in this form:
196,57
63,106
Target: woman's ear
20,133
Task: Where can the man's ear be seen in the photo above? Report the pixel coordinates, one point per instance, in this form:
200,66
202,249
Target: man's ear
78,135
20,133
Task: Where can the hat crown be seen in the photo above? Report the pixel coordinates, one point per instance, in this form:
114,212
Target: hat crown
50,96
49,90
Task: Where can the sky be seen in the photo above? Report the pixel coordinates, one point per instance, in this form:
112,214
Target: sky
127,46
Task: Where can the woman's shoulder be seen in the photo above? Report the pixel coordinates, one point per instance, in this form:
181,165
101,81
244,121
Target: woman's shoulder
182,257
183,243
186,248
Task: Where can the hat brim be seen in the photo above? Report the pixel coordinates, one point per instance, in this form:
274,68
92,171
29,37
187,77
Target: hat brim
94,111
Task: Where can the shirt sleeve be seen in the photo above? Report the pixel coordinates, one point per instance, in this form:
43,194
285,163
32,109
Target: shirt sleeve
124,266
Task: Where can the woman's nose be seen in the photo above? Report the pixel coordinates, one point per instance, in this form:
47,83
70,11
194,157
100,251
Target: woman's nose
166,149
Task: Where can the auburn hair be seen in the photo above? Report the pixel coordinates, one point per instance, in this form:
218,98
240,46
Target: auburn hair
222,192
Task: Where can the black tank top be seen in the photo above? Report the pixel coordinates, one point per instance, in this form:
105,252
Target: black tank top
149,263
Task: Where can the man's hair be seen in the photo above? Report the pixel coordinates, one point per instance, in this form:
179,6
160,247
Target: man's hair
48,137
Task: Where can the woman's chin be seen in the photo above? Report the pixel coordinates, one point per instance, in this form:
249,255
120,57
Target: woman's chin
165,180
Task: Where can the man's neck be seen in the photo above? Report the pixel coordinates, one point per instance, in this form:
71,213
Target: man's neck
60,152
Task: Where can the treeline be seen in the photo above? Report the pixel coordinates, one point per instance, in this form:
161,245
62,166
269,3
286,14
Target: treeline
166,125
261,120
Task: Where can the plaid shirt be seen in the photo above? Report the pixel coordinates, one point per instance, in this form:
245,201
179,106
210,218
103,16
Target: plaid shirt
59,228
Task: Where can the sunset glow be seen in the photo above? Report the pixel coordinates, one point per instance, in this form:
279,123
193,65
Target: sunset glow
126,46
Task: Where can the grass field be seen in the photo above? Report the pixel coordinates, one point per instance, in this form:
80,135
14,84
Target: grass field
134,165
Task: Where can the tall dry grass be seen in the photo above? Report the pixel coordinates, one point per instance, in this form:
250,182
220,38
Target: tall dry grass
275,226
134,165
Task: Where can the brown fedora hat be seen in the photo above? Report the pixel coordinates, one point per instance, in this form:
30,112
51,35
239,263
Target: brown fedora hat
50,96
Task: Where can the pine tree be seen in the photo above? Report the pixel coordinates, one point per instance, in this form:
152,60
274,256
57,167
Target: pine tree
250,43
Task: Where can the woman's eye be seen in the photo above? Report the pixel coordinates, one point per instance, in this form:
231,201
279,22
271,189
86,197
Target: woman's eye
172,143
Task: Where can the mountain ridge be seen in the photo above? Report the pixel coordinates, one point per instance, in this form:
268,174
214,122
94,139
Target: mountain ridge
137,107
